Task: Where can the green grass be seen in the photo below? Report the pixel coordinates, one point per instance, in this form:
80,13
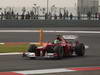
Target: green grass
13,48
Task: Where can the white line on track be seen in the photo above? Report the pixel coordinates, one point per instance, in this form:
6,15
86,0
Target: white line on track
51,31
19,31
10,53
44,71
2,43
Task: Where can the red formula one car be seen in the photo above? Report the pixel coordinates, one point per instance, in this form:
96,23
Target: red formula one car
62,46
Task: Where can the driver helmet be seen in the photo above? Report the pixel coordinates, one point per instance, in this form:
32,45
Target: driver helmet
56,41
58,37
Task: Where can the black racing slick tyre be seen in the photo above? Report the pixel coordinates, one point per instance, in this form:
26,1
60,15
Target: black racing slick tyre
50,49
59,51
23,55
32,48
80,50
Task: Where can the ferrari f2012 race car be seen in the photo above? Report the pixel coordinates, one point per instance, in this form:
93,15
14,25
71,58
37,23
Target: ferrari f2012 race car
62,46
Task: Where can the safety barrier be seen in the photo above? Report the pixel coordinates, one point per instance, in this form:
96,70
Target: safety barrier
49,23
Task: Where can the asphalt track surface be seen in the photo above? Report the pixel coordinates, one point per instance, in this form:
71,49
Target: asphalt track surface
17,63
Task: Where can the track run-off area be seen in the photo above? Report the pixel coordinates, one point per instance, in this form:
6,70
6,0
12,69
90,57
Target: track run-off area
16,65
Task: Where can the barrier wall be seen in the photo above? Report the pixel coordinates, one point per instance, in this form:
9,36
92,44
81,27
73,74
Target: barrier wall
49,23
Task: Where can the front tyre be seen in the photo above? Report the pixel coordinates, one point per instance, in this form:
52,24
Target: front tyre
80,50
59,51
32,48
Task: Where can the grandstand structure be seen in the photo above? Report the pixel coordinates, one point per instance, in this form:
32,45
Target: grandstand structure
85,6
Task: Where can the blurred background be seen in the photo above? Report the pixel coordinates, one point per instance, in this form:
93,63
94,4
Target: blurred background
49,9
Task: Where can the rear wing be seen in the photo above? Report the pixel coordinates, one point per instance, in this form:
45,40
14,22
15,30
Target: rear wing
73,37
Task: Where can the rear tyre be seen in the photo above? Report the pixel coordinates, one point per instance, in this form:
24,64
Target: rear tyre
80,50
59,51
